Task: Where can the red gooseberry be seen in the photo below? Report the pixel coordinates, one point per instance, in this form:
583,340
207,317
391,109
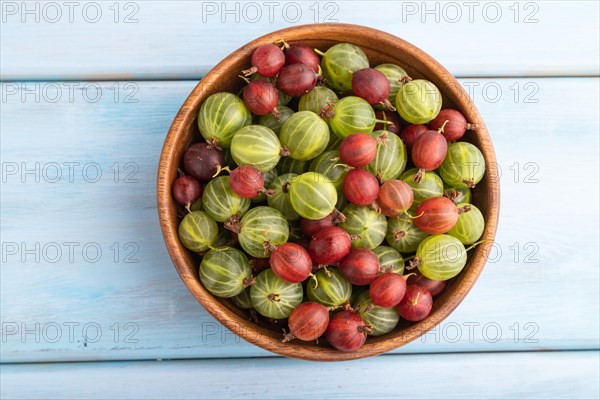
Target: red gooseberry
329,245
360,266
307,322
394,197
347,331
267,60
186,190
296,80
388,289
436,215
291,262
416,304
360,187
358,149
261,98
203,161
304,55
428,152
373,86
247,181
455,124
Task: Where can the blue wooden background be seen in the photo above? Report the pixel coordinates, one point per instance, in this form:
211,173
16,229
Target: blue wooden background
91,306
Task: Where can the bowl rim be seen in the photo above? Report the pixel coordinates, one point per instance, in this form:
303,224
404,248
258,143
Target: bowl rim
226,315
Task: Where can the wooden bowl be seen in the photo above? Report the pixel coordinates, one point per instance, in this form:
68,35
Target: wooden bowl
380,47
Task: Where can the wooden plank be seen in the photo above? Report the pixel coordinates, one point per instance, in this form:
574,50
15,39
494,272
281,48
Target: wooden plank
543,297
183,39
553,375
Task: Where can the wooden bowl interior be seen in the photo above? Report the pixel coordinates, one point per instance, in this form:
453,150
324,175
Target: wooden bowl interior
380,48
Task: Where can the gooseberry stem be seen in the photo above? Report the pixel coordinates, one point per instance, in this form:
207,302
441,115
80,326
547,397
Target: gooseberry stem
221,169
471,247
319,52
464,209
441,130
274,297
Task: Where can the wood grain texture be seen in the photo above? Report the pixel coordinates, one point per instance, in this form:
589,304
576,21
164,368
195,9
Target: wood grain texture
572,375
548,304
380,48
184,39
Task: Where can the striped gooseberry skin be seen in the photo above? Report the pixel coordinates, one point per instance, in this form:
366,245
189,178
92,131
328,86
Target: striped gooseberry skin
441,257
296,80
464,165
360,266
221,115
247,181
387,290
368,225
346,331
329,245
327,164
220,202
288,165
305,135
434,287
281,198
394,75
416,304
318,99
470,224
334,142
310,227
274,123
430,186
312,195
267,60
454,128
429,151
260,97
381,320
358,149
259,226
242,300
351,114
395,197
339,63
418,101
360,187
304,55
436,215
256,145
197,231
291,262
390,260
410,133
308,321
202,161
225,271
373,86
403,235
390,159
331,290
272,297
394,124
